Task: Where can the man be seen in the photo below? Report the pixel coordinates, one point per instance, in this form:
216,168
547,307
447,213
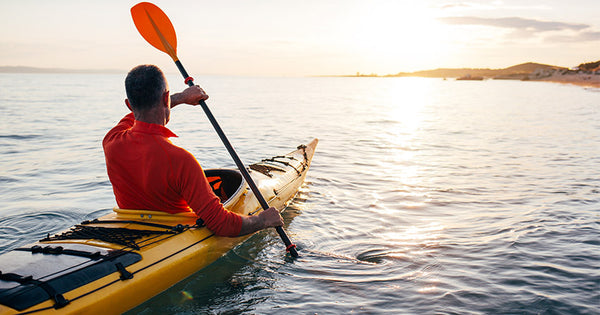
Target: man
149,172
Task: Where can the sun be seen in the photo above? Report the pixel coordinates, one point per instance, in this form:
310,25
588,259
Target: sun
396,33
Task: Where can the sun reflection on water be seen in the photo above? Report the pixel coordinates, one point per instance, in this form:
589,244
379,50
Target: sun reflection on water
407,102
409,105
417,245
416,236
408,98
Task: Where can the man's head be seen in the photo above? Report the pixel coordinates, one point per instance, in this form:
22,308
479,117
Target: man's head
146,88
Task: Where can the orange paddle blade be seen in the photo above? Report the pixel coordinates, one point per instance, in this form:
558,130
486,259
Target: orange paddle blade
156,28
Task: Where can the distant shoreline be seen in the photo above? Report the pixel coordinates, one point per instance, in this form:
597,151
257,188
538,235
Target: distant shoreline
580,79
523,72
585,75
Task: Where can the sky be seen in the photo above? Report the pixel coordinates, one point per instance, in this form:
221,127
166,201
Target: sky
309,37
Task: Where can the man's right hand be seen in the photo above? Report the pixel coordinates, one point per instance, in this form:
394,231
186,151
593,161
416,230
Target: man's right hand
266,219
271,218
192,95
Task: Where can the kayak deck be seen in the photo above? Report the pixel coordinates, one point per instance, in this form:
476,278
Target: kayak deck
116,262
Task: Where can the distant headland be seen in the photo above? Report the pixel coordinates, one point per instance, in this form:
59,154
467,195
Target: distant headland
586,74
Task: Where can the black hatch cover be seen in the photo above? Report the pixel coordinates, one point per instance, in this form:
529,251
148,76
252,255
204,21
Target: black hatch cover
32,275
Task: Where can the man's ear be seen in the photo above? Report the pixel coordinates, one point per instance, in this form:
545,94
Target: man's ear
167,99
128,105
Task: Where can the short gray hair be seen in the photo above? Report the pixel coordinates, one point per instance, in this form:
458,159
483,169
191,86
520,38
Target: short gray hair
145,85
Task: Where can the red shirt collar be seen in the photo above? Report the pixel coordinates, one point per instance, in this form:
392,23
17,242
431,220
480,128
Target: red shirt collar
144,127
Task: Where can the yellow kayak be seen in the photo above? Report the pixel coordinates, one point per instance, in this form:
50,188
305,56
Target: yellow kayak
116,262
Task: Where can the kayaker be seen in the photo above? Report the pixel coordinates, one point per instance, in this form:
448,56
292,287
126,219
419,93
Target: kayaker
149,172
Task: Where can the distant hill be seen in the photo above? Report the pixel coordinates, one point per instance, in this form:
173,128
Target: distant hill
528,67
510,72
22,69
590,66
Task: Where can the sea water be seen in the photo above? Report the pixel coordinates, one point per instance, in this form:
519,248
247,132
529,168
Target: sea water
425,196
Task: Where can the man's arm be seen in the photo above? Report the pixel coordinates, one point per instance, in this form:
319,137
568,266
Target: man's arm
250,224
192,96
265,219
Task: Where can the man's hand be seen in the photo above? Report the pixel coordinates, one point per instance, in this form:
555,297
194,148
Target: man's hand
271,218
192,95
266,219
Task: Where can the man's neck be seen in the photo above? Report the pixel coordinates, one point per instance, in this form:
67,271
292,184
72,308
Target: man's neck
152,116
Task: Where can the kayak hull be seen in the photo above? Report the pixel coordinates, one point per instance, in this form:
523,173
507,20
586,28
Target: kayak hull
175,246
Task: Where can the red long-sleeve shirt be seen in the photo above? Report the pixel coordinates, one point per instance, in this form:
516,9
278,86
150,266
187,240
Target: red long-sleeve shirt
149,172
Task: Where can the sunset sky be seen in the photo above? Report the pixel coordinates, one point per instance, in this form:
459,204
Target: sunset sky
274,37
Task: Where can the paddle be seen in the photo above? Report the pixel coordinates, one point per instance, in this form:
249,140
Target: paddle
156,28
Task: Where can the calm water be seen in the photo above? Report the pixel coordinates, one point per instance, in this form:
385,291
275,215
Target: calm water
425,196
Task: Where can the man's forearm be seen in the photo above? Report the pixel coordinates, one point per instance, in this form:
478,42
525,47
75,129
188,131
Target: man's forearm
251,224
177,99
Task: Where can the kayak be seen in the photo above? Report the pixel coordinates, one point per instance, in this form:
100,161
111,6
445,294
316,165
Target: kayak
113,263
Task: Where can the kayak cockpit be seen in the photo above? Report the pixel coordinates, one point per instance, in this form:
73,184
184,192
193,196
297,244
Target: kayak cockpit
226,184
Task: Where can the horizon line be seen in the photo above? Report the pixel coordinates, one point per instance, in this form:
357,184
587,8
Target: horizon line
31,69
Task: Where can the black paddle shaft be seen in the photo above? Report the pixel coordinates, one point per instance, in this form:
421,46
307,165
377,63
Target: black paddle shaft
289,246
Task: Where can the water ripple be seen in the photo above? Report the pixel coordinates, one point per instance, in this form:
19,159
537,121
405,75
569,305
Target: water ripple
33,225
